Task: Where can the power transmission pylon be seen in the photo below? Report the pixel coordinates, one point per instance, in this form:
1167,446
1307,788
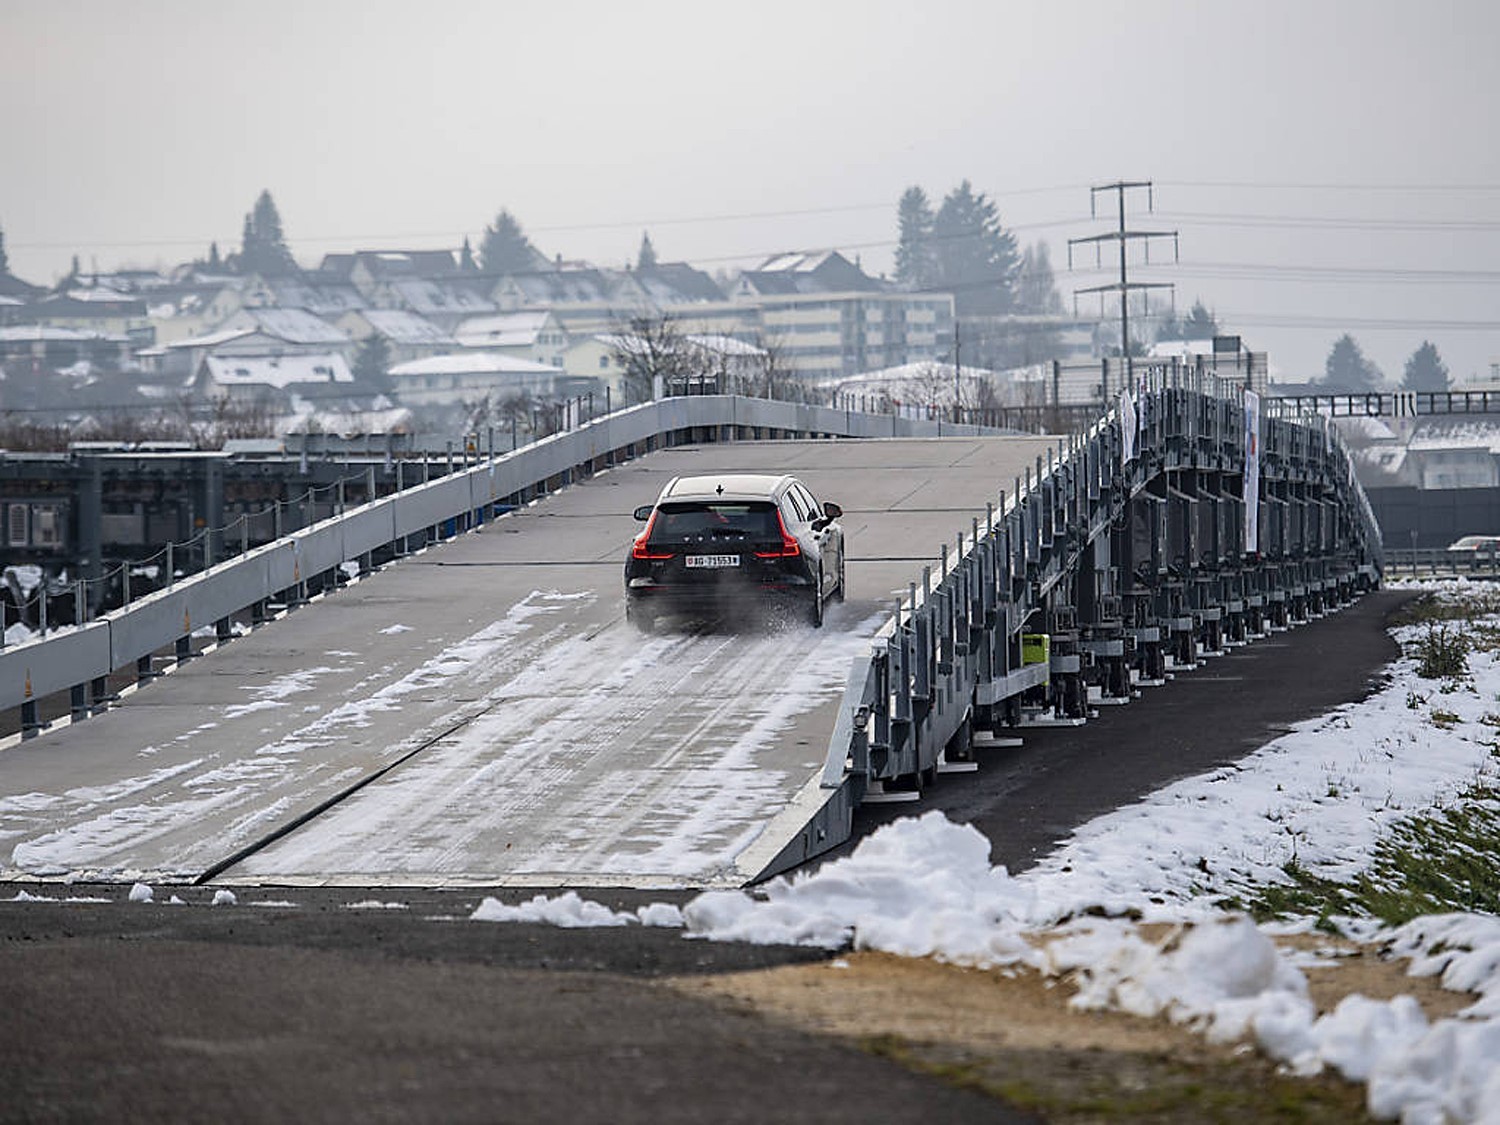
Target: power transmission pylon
1123,236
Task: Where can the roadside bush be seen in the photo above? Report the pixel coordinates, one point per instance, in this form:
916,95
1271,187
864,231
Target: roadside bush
1442,654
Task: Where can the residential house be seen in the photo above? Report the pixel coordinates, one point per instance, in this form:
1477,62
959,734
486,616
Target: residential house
303,392
407,335
39,347
94,309
581,299
597,357
194,307
328,297
370,270
447,303
260,377
467,378
297,330
823,316
534,334
250,333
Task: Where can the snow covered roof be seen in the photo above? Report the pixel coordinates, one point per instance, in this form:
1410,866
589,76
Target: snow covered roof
471,363
318,299
209,340
440,297
391,263
725,346
295,326
673,283
98,293
823,271
564,287
402,326
505,330
36,333
1436,434
278,371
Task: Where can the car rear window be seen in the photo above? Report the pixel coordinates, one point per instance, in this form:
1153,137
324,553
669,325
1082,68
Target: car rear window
686,520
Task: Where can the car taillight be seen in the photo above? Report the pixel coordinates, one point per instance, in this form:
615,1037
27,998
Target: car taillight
790,548
640,549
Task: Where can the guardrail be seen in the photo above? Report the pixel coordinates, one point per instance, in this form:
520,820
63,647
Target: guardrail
79,659
1428,562
1128,550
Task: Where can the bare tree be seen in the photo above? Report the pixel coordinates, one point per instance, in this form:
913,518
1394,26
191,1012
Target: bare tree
647,346
774,376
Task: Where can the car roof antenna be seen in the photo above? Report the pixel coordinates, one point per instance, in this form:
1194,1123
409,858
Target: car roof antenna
720,490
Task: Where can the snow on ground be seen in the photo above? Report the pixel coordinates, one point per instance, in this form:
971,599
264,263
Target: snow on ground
1323,795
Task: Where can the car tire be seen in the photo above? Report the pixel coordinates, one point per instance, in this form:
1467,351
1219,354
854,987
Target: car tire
815,613
838,594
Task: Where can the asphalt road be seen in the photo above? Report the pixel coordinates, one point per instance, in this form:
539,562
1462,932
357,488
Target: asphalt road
315,1012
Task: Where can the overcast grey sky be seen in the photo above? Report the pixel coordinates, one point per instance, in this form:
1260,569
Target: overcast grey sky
1331,166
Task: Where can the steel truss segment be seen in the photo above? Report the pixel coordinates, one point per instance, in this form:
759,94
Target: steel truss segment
1106,566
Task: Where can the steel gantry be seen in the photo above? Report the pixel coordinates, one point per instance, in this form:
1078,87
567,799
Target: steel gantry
1182,522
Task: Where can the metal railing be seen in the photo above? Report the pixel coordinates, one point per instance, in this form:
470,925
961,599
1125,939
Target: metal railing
1440,562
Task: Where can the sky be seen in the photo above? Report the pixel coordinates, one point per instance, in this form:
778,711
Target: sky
1326,163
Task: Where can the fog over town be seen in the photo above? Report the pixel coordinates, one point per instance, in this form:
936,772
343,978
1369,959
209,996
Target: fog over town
1322,165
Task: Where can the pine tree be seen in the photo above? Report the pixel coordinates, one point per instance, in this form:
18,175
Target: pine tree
977,259
466,263
1347,369
1200,323
214,261
1426,371
4,259
373,359
1036,285
1168,327
505,247
645,259
263,248
915,264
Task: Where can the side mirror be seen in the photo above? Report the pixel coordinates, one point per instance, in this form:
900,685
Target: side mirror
643,513
832,510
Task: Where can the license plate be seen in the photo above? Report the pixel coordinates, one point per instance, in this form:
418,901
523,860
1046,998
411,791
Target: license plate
704,562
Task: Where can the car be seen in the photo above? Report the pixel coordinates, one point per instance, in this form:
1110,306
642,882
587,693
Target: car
1487,544
716,546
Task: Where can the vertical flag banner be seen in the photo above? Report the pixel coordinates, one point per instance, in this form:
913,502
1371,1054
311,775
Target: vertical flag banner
1127,428
1252,472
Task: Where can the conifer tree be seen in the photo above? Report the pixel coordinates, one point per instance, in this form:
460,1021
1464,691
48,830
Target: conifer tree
645,259
263,248
4,260
916,265
1200,323
1347,369
466,263
505,247
372,360
1425,370
976,257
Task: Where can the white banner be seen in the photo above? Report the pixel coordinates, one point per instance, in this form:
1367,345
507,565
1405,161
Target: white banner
1127,428
1252,472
